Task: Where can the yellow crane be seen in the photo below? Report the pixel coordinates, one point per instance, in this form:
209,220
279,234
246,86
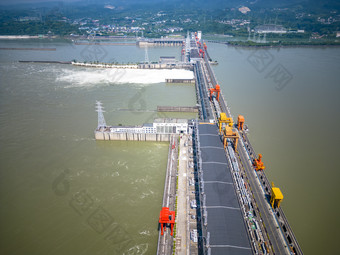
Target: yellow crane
276,196
224,119
229,133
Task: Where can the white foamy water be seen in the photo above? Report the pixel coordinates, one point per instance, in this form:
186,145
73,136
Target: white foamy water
91,77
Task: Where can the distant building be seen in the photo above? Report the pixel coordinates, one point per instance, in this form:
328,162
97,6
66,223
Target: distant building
199,35
244,9
111,7
265,29
21,19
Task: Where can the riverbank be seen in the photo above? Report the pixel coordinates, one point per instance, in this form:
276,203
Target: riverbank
282,44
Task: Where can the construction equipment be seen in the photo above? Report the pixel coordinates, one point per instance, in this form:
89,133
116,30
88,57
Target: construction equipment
216,90
276,196
258,163
224,119
167,217
229,133
240,122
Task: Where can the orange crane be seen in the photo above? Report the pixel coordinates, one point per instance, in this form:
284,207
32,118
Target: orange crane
167,217
240,122
229,133
201,53
216,90
258,163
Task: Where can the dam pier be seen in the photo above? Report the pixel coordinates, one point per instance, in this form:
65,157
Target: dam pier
217,198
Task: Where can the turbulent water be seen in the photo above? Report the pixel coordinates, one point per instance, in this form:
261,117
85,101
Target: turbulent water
85,77
64,193
61,191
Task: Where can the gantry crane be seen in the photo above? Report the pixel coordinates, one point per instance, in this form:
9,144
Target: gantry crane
167,217
258,163
240,122
229,133
216,90
276,196
224,119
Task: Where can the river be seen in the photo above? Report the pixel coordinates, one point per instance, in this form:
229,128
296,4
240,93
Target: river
64,193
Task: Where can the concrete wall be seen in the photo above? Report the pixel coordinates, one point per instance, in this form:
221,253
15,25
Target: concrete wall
177,109
160,43
165,66
180,80
108,136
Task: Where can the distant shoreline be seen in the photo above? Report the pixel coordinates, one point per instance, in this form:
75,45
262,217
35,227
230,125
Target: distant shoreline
246,44
241,44
286,46
24,37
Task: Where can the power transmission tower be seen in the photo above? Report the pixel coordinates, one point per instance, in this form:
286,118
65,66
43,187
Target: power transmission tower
146,55
248,28
101,119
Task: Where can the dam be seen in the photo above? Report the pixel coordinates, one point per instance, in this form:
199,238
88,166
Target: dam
227,204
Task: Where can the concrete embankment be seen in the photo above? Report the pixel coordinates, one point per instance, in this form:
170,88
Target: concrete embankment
180,81
138,66
105,43
46,62
165,66
110,136
177,108
165,241
41,49
105,65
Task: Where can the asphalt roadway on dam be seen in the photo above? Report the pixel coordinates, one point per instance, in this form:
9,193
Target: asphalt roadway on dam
225,221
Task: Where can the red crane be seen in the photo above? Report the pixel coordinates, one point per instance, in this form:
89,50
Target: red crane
217,89
167,217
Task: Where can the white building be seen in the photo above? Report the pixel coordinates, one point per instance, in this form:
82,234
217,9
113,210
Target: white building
159,126
265,29
171,126
199,35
